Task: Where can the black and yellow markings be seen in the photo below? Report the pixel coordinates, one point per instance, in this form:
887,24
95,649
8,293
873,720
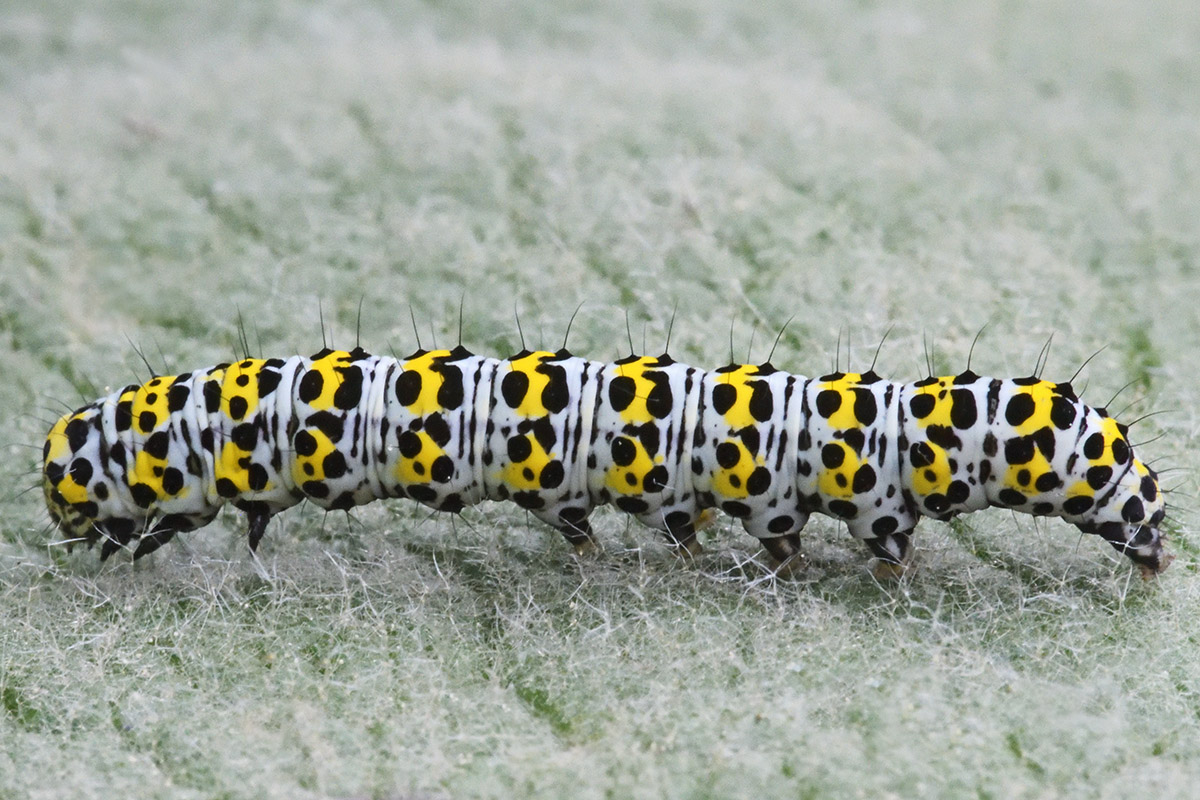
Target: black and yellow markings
843,476
741,397
635,470
151,477
845,403
1106,451
942,407
429,387
1037,410
535,389
745,401
68,485
640,392
848,406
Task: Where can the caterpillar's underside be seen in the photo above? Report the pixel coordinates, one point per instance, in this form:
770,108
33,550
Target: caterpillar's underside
558,435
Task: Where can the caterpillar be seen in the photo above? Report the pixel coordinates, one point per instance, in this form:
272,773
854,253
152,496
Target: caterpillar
558,435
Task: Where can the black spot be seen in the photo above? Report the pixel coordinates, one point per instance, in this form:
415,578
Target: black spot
304,443
660,401
937,502
100,490
268,381
1023,477
258,477
943,436
804,440
723,397
762,403
450,393
238,406
408,387
147,421
865,407
206,441
843,509
864,479
828,402
1120,451
922,405
1062,412
514,387
623,450
1020,408
884,526
921,455
656,479
158,445
1011,497
334,465
442,469
1133,510
649,436
963,410
212,396
543,432
438,429
123,418
958,492
736,509
728,455
519,449
759,481
311,386
781,524
349,391
1149,489
172,480
632,505
1047,482
226,488
1041,509
245,436
990,445
330,424
556,393
408,443
552,475
833,455
81,471
697,466
621,391
1093,446
1018,450
1098,477
177,397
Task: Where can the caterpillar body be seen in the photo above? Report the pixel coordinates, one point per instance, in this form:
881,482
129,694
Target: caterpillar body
558,435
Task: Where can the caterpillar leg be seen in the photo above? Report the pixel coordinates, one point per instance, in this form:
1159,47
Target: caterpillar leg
1141,543
256,526
786,552
892,550
574,526
680,526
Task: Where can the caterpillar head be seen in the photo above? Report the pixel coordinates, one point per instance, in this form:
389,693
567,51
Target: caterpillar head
1138,501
